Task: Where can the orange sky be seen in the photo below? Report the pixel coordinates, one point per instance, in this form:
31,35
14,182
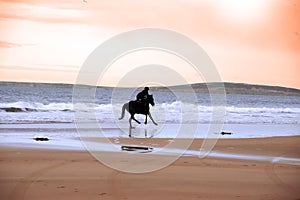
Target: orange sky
251,41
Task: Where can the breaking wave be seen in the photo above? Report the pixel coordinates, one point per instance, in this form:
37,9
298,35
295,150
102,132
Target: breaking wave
174,112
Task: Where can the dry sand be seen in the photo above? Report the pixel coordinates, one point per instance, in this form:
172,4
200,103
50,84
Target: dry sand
56,174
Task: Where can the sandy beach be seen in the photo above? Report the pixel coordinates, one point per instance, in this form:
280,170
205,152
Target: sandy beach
67,174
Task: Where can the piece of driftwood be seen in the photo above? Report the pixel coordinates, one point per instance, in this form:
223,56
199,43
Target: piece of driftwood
226,133
41,139
135,148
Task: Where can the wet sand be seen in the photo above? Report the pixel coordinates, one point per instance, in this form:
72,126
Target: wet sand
64,174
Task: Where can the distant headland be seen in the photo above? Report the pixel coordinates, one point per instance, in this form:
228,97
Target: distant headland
230,88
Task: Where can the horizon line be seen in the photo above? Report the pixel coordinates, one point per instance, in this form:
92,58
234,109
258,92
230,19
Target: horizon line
224,82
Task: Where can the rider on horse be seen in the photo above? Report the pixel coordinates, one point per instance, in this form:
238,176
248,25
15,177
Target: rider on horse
143,95
139,106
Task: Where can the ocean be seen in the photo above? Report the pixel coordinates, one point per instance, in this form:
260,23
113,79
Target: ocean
47,109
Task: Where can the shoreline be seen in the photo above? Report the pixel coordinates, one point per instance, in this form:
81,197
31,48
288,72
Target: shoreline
160,147
69,130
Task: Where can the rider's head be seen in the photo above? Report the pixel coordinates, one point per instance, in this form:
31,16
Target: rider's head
146,88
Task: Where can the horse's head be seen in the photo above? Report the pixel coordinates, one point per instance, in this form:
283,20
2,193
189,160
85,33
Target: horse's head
150,100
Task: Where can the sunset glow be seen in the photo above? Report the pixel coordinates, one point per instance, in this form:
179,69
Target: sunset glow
246,10
251,41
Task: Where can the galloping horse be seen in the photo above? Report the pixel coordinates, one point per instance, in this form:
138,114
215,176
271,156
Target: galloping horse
135,107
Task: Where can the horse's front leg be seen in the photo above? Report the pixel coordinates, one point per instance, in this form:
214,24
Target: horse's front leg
146,119
150,116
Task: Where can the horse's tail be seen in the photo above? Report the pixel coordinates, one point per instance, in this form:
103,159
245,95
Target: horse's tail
125,106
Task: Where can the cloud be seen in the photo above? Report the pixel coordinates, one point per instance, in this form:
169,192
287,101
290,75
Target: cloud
47,3
4,44
41,11
45,68
38,74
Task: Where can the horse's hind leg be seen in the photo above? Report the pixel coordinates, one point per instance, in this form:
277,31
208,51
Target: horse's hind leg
146,120
130,130
132,117
130,125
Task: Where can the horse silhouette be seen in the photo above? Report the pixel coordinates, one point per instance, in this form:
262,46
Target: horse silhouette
136,107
